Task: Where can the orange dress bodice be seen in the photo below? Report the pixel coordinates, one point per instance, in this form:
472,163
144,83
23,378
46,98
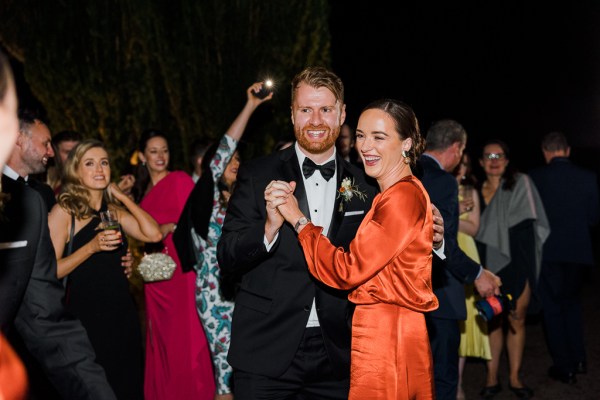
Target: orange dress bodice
388,272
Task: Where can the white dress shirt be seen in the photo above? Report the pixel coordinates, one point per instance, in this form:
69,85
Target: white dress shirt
320,195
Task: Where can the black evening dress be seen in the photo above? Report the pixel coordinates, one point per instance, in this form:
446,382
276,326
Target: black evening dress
98,294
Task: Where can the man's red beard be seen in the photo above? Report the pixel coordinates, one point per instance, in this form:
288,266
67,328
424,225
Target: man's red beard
331,136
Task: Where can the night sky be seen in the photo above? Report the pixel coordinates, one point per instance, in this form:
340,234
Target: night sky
508,70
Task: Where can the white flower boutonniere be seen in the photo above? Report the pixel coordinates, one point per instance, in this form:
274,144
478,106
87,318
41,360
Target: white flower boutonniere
347,191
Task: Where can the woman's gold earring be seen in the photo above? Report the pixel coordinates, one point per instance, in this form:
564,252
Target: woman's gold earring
406,157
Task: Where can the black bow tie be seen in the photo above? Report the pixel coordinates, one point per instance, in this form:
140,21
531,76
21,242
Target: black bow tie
22,180
327,170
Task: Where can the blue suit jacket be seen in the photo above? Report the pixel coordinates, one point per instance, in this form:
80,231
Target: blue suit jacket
570,197
450,275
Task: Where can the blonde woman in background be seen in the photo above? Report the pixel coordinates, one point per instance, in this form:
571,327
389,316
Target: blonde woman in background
98,291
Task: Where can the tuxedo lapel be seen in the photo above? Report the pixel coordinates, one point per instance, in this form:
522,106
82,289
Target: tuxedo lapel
336,218
290,171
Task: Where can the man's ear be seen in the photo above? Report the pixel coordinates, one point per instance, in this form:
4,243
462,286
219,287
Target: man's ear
21,140
292,114
342,114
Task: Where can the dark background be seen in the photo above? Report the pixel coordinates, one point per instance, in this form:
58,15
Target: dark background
508,70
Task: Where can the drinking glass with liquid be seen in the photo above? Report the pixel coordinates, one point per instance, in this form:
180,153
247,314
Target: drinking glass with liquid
110,221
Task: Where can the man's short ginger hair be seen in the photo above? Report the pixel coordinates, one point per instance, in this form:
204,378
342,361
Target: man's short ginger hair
318,77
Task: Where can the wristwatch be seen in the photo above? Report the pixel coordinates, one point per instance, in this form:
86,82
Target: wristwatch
301,221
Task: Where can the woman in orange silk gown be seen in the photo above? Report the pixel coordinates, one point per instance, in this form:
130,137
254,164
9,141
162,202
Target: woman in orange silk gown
388,266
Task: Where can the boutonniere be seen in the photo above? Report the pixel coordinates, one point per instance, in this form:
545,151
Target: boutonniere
348,189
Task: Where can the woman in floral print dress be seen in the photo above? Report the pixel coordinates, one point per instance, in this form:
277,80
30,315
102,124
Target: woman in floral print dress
221,166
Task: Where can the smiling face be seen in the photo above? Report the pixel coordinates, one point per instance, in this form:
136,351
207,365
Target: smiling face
94,169
156,154
381,147
317,117
36,148
494,161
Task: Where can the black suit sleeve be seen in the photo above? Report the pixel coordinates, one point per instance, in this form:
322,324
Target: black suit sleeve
58,342
444,194
594,202
241,245
45,191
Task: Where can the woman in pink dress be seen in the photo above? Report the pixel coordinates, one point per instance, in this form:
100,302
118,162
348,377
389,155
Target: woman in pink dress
178,364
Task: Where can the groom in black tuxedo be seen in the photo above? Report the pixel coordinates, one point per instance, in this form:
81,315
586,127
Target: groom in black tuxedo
290,333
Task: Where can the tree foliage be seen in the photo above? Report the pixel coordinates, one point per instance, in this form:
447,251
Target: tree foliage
115,67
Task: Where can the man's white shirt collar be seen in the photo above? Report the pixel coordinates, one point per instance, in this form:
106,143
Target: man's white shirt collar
12,174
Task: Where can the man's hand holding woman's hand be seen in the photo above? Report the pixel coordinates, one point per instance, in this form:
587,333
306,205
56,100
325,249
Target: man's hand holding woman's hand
281,206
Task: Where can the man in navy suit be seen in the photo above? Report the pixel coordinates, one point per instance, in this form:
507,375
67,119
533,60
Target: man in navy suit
446,141
570,197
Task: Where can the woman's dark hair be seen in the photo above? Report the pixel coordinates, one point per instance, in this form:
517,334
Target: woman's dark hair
142,176
469,177
510,172
208,156
405,122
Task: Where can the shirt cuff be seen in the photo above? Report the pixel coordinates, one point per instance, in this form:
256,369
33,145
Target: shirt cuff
479,273
440,251
268,245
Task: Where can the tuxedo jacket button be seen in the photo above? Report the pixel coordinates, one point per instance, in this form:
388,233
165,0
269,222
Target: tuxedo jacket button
306,308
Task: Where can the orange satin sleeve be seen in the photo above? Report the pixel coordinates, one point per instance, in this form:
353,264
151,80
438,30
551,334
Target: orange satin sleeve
389,260
13,378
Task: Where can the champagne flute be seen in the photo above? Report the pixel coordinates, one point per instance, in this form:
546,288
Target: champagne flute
465,193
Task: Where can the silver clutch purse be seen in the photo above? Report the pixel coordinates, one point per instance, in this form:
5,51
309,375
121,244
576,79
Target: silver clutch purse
156,267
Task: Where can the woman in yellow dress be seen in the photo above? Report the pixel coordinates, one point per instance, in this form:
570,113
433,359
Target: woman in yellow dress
474,341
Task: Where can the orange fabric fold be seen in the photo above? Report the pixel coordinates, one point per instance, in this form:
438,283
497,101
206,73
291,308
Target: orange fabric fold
388,272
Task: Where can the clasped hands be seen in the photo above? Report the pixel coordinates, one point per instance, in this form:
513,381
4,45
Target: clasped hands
281,205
